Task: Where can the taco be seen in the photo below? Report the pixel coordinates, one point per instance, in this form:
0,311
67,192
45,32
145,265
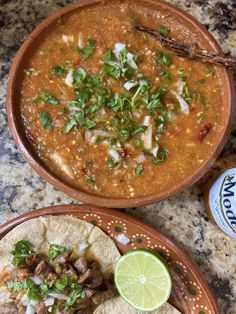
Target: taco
117,305
61,265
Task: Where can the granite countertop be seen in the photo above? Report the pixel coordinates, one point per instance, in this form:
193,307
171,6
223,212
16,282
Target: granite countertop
182,218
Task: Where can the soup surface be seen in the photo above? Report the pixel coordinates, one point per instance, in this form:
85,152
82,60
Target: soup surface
109,111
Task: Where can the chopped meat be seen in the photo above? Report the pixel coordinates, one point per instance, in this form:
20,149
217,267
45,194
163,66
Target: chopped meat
8,308
92,278
31,260
204,131
89,292
101,296
63,258
51,276
41,308
68,270
42,269
81,265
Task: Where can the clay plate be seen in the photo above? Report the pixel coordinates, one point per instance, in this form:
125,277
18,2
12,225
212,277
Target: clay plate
190,293
17,128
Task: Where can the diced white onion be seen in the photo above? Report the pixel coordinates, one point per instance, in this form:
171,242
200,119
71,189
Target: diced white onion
84,245
102,112
59,296
61,163
147,120
140,158
25,300
34,303
67,38
30,309
88,136
130,84
113,63
180,85
143,83
69,78
93,139
183,104
117,49
147,138
102,133
130,60
114,154
155,151
123,239
49,302
80,41
37,280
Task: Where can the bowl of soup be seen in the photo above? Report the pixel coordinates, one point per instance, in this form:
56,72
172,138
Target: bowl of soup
106,114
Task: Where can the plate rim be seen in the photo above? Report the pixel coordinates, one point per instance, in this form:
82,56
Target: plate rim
75,208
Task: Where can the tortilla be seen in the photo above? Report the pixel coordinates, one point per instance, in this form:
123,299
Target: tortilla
118,306
67,231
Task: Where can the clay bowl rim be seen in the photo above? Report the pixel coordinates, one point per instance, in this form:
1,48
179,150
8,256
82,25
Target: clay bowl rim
87,197
108,212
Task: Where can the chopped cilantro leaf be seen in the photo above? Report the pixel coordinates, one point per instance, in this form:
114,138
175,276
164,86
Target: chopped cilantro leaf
55,250
58,71
90,179
109,56
138,170
113,70
161,157
124,135
79,76
139,130
164,30
89,49
163,58
48,98
14,286
45,121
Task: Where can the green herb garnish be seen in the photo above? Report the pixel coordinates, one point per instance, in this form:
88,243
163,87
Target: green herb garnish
45,121
109,56
89,49
163,58
166,75
48,98
33,291
161,157
90,179
139,130
14,286
76,293
55,250
138,170
164,30
58,71
79,76
124,135
113,70
70,123
21,250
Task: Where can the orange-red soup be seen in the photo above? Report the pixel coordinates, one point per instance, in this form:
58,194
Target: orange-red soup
111,112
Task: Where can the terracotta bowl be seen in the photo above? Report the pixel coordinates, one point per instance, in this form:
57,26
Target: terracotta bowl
17,128
190,293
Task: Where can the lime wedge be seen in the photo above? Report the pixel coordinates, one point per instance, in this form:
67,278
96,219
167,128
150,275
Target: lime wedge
143,280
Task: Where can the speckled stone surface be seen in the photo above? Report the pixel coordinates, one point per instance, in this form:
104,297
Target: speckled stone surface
181,218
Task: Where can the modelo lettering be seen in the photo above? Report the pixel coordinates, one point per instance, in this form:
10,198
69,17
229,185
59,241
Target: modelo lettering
228,194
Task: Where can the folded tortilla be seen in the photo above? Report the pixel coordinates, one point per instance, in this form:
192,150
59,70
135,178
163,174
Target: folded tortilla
63,230
118,306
